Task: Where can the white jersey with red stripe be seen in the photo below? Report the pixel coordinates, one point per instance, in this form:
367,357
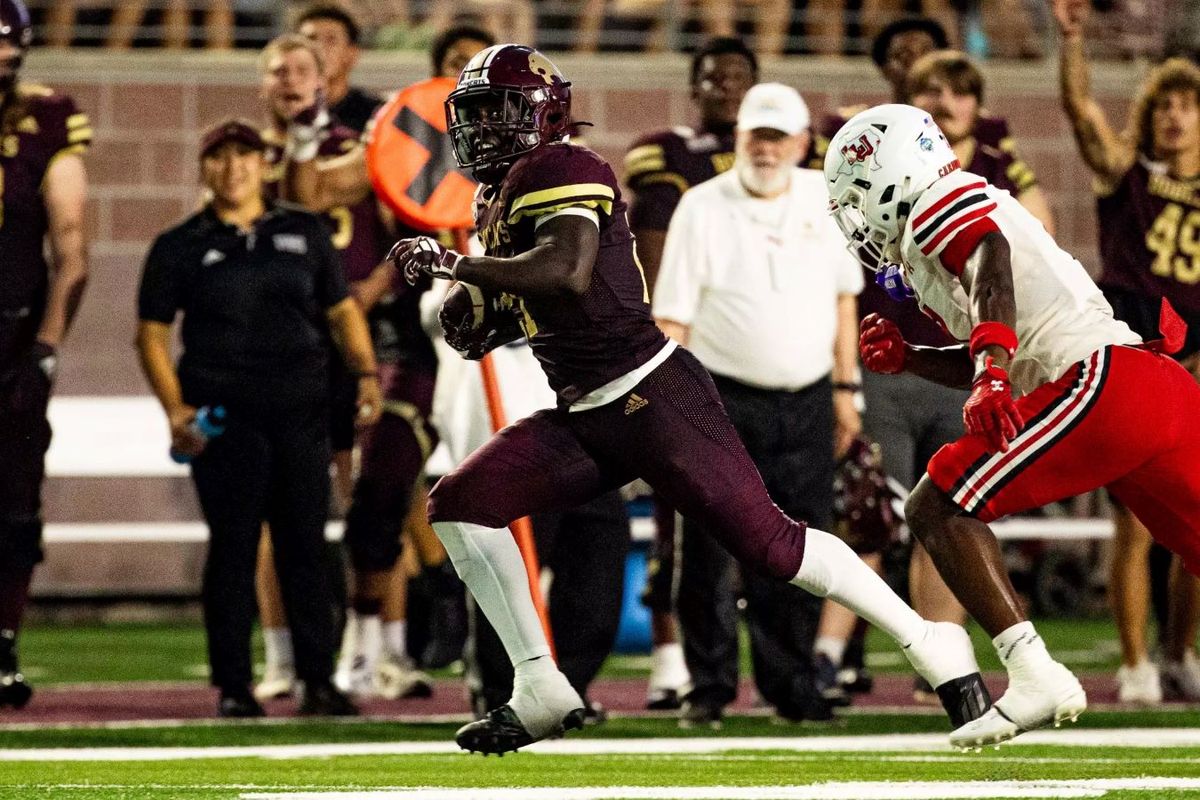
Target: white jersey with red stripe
1061,315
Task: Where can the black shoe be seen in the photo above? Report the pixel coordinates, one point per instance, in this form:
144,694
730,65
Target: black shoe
812,708
594,714
239,705
856,680
14,691
664,700
501,731
826,681
698,715
323,700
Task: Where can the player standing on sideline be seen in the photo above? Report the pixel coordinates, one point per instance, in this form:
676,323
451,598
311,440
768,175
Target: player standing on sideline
631,403
43,191
659,168
336,34
1097,408
1148,204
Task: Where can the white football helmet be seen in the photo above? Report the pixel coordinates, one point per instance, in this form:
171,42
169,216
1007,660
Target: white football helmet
877,165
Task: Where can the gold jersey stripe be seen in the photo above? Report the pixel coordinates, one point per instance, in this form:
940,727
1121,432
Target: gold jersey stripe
81,135
671,178
644,165
534,201
77,120
646,150
571,202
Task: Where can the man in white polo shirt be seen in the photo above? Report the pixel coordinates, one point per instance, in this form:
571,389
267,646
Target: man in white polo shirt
756,281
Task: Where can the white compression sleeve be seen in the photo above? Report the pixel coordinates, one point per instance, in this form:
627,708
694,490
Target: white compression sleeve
831,569
490,564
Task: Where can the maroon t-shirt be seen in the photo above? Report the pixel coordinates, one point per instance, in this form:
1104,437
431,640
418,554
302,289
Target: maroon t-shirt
661,166
36,125
357,232
586,341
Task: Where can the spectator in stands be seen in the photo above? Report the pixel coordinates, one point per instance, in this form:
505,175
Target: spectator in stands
129,15
757,282
43,192
826,26
659,168
1148,212
336,34
261,291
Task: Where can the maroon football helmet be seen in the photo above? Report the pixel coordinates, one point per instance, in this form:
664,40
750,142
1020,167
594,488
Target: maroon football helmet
17,31
510,100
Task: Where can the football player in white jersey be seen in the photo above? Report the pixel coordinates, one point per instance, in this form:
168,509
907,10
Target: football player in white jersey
1093,405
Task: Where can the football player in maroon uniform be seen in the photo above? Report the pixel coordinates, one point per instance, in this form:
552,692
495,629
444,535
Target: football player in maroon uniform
1148,204
43,190
631,404
659,168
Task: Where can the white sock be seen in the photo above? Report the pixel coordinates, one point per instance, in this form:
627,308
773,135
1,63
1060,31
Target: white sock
1020,646
542,696
668,668
395,639
831,569
369,642
489,563
831,647
277,646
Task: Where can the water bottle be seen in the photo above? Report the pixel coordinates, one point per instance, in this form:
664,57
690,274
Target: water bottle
209,422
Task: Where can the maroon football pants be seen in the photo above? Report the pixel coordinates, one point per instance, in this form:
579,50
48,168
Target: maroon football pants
671,431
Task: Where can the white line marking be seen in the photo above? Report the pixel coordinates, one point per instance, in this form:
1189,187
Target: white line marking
928,742
859,790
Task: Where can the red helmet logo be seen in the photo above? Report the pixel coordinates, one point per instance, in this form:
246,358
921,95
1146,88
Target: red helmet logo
859,151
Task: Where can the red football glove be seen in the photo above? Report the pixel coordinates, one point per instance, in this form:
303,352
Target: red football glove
990,411
882,347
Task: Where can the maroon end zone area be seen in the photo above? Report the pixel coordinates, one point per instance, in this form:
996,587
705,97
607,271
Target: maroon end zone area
150,702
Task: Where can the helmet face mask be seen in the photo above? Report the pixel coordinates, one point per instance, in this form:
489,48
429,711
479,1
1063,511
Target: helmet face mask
15,30
510,100
876,168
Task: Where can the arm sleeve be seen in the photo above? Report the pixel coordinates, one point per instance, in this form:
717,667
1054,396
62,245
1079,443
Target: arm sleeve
684,268
330,283
159,294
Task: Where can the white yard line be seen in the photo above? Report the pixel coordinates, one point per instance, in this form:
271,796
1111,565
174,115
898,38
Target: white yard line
859,790
926,742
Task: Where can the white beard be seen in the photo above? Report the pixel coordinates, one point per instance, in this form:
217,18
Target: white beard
764,182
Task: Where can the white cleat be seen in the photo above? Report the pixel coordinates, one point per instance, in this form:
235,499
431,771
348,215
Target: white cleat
1139,684
276,682
396,679
357,678
1052,694
1181,679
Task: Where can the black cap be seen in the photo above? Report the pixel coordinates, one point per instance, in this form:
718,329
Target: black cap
231,130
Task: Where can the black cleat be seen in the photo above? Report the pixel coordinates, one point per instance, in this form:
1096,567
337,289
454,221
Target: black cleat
964,699
501,731
826,682
239,705
664,700
14,691
323,700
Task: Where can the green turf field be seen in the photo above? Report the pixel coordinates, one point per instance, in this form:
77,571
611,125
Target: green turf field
64,653
1119,755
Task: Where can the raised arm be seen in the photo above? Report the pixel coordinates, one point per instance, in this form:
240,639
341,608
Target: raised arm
1101,148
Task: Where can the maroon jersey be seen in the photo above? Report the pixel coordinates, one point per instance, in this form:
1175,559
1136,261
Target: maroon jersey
586,341
357,232
660,167
36,125
1150,249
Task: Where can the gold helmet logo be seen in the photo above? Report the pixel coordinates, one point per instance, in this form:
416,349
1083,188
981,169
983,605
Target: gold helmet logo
540,65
